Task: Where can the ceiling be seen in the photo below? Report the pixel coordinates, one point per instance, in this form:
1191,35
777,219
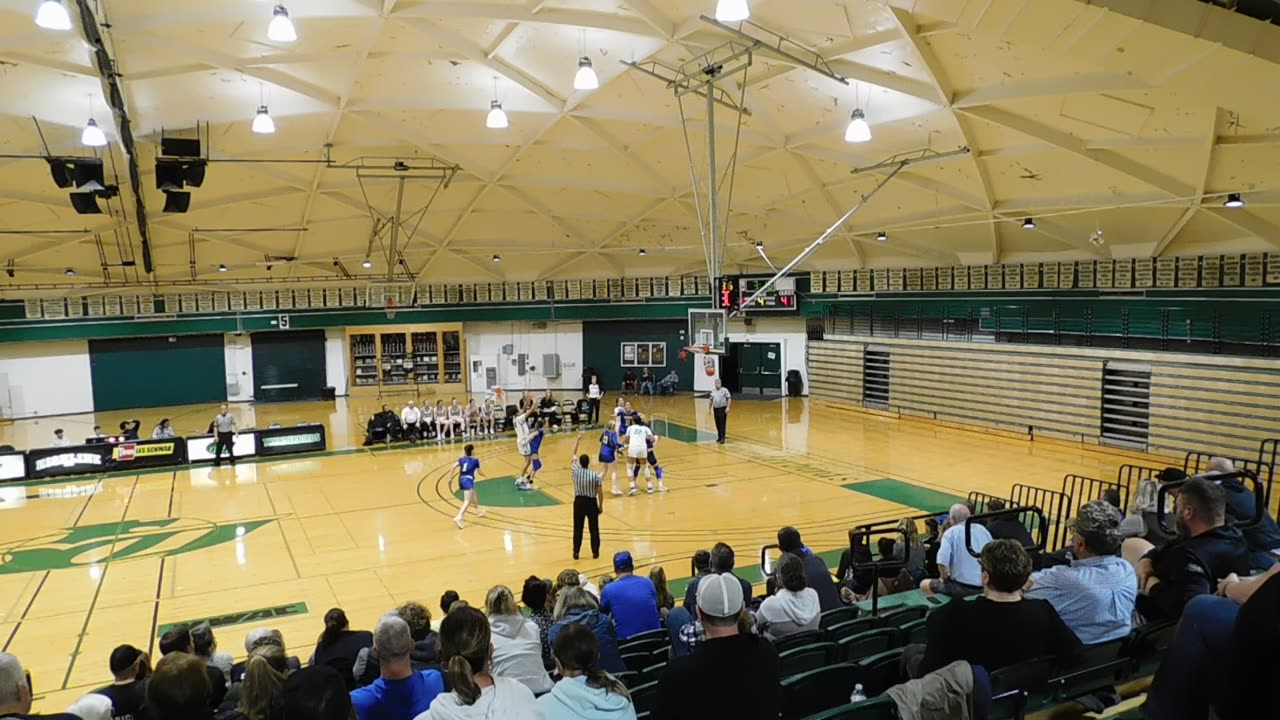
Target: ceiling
1134,120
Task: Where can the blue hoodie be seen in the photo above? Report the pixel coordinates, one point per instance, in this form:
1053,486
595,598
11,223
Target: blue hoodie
573,699
601,626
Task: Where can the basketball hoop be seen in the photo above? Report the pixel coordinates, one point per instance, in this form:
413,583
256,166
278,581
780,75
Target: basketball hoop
708,359
391,308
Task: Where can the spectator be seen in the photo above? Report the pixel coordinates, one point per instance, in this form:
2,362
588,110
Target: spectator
179,688
549,410
86,707
855,583
426,650
1142,520
585,691
1205,550
959,573
264,675
701,564
912,551
1094,595
400,692
206,647
316,693
446,601
339,646
178,640
534,596
1263,538
163,431
59,439
1000,628
721,561
1112,498
604,581
130,668
631,600
648,384
629,381
477,693
667,385
932,543
819,577
1223,653
517,649
666,602
696,686
794,608
129,429
1007,527
263,636
576,606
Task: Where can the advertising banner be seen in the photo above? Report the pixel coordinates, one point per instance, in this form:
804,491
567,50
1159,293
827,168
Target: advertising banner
289,440
13,466
72,460
200,448
148,453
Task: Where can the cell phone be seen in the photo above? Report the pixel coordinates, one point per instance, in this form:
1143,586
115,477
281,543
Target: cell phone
933,600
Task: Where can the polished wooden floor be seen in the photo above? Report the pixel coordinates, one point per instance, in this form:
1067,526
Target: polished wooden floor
367,530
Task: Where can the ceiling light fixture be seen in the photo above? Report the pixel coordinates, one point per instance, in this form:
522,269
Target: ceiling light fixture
69,272
882,236
586,78
1029,224
366,264
497,258
52,16
262,122
93,135
732,10
643,252
281,27
222,268
1234,200
497,119
858,131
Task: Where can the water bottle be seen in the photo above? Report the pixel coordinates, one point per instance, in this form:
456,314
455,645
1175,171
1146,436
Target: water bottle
858,695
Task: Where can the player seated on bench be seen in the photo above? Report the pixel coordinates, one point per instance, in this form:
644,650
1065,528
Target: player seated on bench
582,410
667,385
383,427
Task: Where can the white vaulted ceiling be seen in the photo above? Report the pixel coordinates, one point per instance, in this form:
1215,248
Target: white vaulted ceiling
1081,116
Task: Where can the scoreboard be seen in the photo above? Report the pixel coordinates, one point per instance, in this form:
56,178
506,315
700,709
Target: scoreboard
734,290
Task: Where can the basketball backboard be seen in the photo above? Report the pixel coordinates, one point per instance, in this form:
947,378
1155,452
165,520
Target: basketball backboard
708,327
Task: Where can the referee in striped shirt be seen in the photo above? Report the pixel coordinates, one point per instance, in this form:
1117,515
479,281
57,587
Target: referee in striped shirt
588,500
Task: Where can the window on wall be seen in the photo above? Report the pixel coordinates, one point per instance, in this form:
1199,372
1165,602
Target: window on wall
644,354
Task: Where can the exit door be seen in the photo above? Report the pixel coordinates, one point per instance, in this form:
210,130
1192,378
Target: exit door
760,368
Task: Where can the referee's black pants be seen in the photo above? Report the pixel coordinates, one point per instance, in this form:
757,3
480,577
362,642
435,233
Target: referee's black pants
594,418
225,440
586,508
722,419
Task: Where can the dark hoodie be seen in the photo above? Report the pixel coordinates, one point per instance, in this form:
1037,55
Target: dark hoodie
1191,566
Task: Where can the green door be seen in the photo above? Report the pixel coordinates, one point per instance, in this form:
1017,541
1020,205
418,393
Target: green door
749,365
771,368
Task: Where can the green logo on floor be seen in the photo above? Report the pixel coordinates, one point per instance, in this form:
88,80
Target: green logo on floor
243,617
129,540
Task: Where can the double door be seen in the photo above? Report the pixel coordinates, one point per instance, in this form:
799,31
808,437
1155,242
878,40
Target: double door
760,368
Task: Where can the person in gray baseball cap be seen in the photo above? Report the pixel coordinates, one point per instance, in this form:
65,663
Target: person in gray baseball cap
1095,594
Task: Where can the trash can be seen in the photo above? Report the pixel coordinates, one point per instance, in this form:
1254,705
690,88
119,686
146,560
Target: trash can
795,384
328,393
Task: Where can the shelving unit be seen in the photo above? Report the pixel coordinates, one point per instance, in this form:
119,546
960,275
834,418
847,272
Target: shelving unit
423,360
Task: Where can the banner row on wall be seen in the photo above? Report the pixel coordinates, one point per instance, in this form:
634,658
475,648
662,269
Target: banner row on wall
42,463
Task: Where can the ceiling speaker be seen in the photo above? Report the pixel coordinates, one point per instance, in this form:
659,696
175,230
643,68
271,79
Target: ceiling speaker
85,203
177,202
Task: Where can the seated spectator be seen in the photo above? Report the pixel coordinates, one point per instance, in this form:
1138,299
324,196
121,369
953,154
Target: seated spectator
1142,521
534,596
446,601
1007,527
701,563
400,692
178,640
959,574
262,636
999,628
585,691
630,599
16,695
892,576
163,431
477,693
130,668
721,561
59,439
1223,653
1263,538
667,385
1205,550
129,429
815,568
697,685
383,427
666,602
315,693
517,648
629,381
426,650
932,543
179,688
582,410
794,608
1094,595
855,583
549,410
648,384
206,647
264,675
912,552
411,421
576,606
339,646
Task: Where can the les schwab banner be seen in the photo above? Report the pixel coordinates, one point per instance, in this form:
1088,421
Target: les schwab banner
150,453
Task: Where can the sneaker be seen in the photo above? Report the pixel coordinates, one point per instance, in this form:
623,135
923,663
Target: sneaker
480,513
458,521
632,491
650,490
617,492
662,488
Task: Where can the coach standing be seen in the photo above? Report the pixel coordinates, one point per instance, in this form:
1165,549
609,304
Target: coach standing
224,428
594,394
588,500
720,409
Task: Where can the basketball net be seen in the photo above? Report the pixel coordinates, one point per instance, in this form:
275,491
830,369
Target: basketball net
391,309
708,360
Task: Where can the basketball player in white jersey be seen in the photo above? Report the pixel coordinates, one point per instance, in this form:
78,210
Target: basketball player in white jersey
638,437
521,423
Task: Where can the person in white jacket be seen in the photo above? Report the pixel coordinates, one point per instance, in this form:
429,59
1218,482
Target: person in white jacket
468,656
794,608
586,692
517,642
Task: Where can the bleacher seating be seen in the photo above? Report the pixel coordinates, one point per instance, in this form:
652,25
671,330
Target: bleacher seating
881,708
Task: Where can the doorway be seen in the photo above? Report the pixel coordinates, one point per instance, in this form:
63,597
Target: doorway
760,368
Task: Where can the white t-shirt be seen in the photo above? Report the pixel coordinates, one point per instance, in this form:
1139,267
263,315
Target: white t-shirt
637,440
410,416
963,567
593,391
506,699
59,441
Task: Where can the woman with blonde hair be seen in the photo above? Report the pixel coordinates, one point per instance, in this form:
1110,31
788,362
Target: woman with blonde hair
575,605
264,674
912,551
666,601
517,643
468,655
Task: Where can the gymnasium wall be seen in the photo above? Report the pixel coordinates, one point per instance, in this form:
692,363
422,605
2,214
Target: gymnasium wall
335,360
47,378
238,350
787,331
602,348
288,366
1219,404
485,342
156,372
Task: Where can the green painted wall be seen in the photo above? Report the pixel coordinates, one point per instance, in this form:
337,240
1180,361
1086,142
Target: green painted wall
288,357
602,341
154,372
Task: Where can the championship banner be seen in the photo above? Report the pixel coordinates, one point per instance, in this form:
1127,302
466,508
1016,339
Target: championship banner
13,466
148,453
200,448
290,440
74,460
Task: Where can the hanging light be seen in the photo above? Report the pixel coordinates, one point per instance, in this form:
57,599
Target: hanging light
52,16
497,118
882,236
366,264
858,131
222,268
1029,224
69,272
1234,201
497,258
93,135
281,27
643,252
262,122
586,78
732,10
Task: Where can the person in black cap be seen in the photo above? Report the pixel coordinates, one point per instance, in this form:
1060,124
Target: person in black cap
128,694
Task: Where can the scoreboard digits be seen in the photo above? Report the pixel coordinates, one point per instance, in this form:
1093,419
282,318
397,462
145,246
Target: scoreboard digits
735,290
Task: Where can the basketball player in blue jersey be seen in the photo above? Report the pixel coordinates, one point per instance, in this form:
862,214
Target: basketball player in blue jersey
608,456
468,469
535,444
